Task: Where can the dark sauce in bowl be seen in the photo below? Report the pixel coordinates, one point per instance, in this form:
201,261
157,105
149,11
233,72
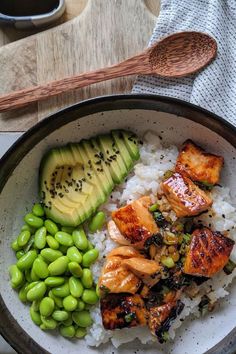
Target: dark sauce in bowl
19,8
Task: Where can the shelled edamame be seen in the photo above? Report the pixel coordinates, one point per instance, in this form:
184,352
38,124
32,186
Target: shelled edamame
52,272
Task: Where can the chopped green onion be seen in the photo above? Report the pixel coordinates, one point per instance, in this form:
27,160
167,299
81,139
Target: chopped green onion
205,185
168,174
159,219
229,267
167,262
154,207
187,238
203,305
165,336
130,317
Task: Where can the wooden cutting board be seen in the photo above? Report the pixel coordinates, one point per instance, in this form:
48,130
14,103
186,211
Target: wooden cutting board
105,32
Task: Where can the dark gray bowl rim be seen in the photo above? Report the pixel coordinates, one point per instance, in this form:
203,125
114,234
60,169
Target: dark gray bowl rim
9,328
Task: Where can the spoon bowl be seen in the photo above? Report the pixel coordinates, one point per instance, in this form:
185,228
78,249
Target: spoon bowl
181,54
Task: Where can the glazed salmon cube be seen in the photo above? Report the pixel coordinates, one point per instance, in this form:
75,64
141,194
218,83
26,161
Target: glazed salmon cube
198,165
116,278
185,198
147,270
160,317
123,310
135,222
125,252
115,234
208,253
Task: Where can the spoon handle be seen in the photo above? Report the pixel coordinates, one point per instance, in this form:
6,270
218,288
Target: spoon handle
138,64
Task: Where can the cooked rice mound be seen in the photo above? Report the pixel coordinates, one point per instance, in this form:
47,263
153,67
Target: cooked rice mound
155,160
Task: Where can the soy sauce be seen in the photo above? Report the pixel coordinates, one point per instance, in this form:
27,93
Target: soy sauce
27,7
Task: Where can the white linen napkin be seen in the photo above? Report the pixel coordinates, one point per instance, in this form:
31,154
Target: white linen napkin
215,87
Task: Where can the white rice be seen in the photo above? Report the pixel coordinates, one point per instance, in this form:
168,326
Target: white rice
145,180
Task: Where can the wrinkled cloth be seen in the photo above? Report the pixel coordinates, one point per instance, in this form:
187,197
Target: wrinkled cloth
214,88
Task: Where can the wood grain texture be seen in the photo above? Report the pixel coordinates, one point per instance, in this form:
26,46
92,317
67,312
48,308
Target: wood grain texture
177,55
139,64
105,32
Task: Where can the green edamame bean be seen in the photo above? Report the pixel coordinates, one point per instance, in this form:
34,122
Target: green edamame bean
97,221
23,293
61,291
80,239
80,332
26,261
70,303
60,315
68,229
54,281
75,269
40,238
35,305
28,275
31,285
90,257
15,246
97,291
87,278
43,327
49,322
57,300
33,220
90,246
35,316
74,254
33,275
51,227
23,238
64,239
50,255
17,277
90,297
38,210
76,287
37,292
63,249
69,320
46,306
68,332
82,319
28,228
52,243
59,266
19,254
41,268
80,306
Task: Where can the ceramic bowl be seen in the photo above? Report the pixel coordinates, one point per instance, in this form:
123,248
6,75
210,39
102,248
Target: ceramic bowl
171,119
34,21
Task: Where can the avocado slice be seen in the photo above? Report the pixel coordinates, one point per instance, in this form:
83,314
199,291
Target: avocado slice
95,159
113,158
74,180
131,142
121,146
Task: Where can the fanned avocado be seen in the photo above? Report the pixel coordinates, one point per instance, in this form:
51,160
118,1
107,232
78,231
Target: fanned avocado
76,179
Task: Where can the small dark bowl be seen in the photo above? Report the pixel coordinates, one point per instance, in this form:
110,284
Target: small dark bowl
174,121
34,21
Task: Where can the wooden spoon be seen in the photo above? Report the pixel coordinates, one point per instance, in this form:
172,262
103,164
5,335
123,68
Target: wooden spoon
177,55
